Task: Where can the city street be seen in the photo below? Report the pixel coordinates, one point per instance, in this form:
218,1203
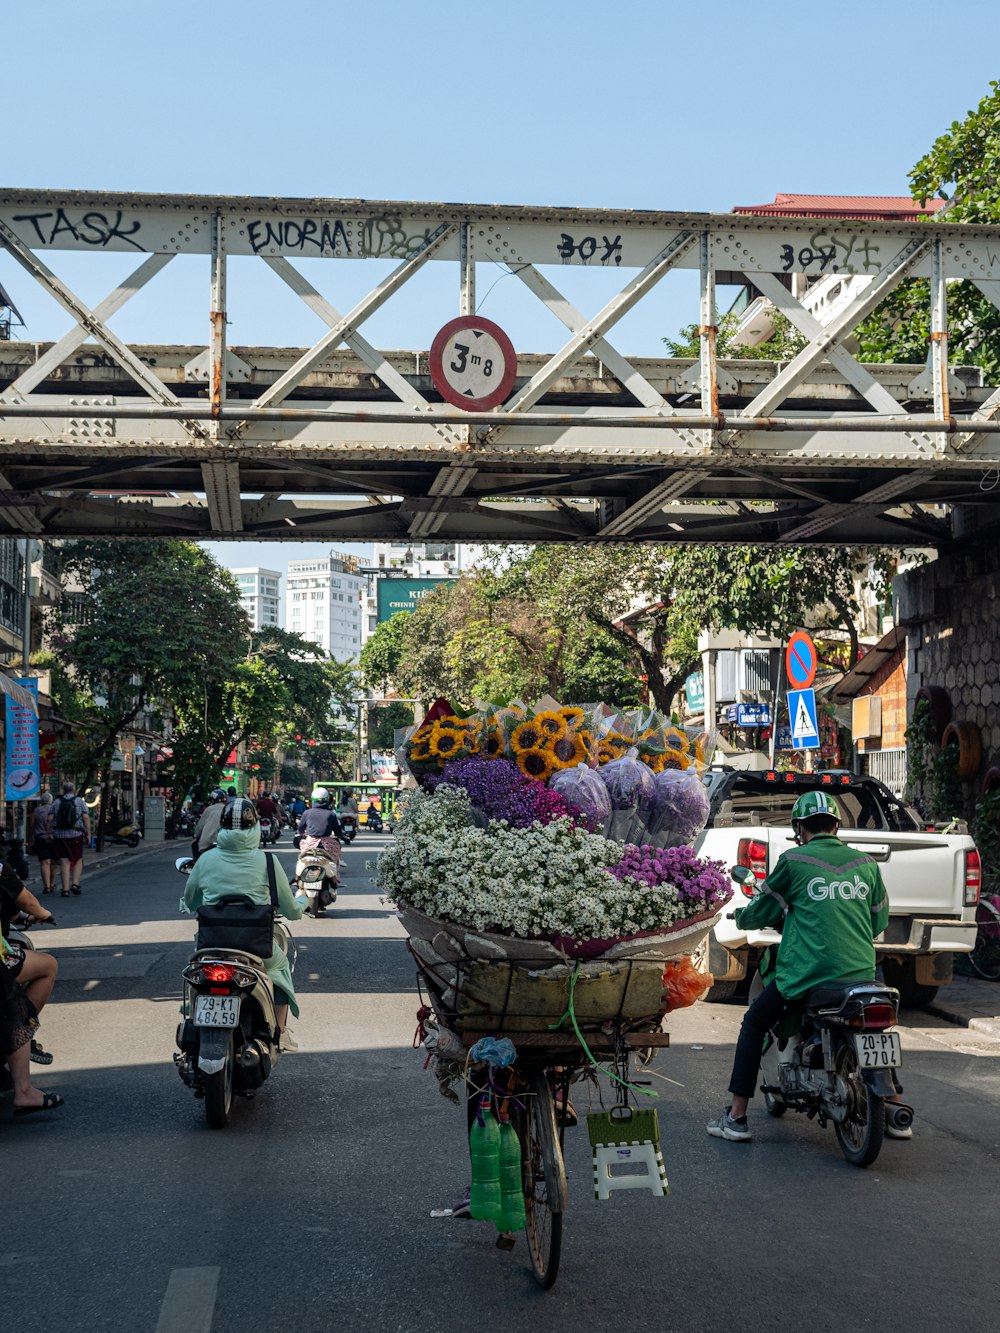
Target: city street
313,1209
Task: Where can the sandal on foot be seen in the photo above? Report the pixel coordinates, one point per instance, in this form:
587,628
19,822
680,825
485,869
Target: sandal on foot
77,890
64,894
50,1101
39,1056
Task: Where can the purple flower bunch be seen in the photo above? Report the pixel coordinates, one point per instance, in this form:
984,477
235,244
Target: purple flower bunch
500,790
701,885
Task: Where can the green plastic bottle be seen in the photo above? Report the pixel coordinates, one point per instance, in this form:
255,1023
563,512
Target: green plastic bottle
484,1149
511,1188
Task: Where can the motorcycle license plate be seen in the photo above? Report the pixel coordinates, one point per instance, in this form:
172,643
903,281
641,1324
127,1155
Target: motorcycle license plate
217,1011
878,1050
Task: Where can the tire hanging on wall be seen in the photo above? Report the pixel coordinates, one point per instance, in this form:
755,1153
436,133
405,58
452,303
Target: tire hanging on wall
970,754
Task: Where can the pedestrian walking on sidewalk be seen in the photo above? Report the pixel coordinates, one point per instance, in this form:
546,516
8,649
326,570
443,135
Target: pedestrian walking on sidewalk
43,843
70,827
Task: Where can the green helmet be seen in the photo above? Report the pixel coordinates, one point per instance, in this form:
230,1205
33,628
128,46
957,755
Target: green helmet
815,803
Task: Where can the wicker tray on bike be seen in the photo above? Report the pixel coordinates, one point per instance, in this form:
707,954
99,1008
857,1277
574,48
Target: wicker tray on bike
478,982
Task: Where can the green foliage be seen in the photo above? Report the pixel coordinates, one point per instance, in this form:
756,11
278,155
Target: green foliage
381,655
962,166
986,832
598,622
945,787
784,343
151,621
921,742
384,723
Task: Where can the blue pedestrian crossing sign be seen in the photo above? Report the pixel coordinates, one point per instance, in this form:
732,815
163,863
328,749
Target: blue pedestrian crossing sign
803,720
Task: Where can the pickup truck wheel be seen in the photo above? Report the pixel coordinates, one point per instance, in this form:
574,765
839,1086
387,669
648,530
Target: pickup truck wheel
911,993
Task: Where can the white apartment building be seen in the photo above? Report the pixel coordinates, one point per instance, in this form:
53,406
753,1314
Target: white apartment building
260,595
411,561
324,603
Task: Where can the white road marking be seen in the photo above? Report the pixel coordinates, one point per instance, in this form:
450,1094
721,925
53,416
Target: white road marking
189,1302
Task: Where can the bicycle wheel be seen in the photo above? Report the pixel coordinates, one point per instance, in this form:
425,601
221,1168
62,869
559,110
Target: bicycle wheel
985,957
544,1179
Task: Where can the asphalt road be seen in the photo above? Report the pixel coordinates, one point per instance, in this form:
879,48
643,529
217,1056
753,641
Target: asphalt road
312,1210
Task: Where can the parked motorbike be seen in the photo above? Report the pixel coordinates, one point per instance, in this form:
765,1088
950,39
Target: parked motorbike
349,823
374,824
838,1066
317,874
228,1035
129,834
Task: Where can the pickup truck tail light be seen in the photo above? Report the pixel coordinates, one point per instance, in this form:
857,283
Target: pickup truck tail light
973,877
753,855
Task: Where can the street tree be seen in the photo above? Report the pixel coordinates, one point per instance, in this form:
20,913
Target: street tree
962,166
141,624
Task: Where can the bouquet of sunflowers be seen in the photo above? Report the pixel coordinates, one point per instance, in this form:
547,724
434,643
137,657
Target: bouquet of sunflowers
549,737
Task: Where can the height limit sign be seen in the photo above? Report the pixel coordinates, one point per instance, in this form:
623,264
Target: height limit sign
473,364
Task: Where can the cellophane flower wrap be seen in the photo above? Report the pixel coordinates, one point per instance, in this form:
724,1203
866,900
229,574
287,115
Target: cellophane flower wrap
680,807
545,880
584,790
630,786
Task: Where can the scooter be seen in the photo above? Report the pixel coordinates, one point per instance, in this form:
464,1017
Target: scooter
270,831
374,823
839,1065
129,834
349,823
317,874
228,1036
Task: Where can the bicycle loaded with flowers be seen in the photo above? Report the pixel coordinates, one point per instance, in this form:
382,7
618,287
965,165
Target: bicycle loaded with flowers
545,876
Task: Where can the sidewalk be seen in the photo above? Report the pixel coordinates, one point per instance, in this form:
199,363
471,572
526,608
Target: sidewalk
970,1003
96,862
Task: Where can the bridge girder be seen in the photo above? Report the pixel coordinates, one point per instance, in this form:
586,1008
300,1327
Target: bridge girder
103,437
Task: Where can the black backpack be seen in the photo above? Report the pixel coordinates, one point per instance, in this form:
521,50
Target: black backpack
66,814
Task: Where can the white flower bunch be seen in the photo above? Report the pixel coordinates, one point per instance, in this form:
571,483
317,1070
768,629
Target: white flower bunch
544,880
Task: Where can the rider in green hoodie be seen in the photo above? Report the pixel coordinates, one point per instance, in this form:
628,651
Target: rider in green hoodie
237,865
829,902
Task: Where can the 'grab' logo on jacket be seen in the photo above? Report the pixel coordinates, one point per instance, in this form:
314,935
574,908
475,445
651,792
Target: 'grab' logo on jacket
820,889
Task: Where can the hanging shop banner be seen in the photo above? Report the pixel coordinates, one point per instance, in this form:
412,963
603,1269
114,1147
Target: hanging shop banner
24,781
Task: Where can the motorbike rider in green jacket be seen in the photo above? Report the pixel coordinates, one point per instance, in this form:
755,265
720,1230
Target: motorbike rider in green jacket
829,902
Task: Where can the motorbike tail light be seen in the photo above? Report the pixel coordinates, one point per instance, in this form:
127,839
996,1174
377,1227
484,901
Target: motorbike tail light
753,855
218,972
973,877
880,1015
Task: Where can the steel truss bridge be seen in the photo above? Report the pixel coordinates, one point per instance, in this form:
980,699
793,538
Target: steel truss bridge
99,437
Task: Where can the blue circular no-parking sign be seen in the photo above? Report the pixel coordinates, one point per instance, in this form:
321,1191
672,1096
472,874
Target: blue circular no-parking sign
800,660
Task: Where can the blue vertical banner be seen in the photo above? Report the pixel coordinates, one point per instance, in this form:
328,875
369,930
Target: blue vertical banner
24,781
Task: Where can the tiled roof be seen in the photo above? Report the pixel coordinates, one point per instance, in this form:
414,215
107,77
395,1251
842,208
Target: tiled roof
875,207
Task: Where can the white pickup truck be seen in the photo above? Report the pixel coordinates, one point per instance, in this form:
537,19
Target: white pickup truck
932,878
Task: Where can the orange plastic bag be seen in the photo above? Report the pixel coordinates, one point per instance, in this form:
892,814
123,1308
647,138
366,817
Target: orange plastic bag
683,984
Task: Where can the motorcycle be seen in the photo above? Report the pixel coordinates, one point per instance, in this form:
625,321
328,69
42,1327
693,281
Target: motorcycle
228,1037
839,1066
349,823
270,831
129,834
374,824
317,874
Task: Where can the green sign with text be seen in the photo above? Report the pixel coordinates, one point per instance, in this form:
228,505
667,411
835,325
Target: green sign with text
403,594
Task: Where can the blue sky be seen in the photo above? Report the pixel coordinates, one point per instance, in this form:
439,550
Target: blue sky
627,105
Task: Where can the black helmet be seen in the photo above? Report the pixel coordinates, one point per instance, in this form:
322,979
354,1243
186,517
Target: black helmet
239,814
216,795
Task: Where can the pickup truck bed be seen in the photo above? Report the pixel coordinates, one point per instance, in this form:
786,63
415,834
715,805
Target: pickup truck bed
932,878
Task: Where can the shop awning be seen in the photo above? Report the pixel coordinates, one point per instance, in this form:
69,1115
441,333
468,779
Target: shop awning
18,693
